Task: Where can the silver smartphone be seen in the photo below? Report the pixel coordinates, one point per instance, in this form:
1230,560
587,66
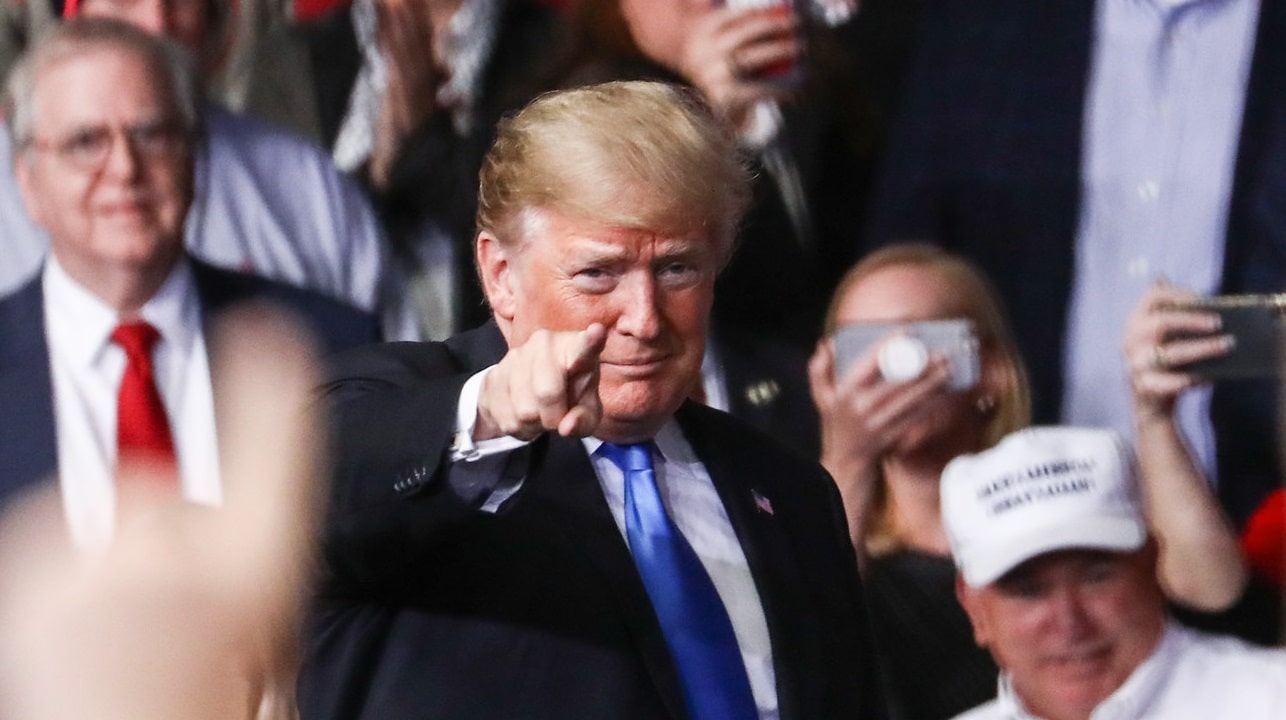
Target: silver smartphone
910,341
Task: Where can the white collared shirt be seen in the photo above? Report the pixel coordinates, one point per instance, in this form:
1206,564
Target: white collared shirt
1162,125
1190,675
690,497
86,370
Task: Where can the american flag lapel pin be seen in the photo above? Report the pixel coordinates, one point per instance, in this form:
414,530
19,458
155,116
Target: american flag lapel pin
762,504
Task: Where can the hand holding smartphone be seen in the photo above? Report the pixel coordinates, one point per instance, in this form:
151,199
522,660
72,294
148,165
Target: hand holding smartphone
1255,323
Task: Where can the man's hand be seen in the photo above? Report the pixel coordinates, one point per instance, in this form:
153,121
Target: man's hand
549,383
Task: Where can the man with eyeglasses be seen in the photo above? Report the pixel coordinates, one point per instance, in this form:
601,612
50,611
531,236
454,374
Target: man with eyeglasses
103,356
265,201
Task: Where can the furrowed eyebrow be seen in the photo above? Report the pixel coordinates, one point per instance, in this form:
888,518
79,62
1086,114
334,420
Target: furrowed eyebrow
587,251
686,253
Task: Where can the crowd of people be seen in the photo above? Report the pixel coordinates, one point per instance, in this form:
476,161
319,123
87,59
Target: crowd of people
768,359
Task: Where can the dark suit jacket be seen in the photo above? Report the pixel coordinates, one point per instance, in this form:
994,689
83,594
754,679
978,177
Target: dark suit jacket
28,446
435,610
767,386
986,160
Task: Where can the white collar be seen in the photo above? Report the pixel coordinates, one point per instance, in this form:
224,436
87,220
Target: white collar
83,323
669,442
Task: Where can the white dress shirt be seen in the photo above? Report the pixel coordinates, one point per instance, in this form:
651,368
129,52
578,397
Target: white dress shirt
1190,676
689,496
86,371
1162,121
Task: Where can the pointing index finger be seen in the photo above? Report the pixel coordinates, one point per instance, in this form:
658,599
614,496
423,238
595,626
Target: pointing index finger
582,354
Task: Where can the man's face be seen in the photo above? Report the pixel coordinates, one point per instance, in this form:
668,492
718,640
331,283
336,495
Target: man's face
1070,626
652,291
108,173
184,21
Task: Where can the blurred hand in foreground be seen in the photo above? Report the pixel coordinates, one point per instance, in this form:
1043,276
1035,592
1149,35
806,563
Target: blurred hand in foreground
192,612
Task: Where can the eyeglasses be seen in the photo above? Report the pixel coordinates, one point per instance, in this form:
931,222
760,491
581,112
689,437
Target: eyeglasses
88,148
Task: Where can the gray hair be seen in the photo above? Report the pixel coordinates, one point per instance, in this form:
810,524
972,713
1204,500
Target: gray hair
78,36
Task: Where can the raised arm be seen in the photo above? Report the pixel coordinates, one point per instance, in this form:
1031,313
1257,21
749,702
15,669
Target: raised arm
862,417
1200,565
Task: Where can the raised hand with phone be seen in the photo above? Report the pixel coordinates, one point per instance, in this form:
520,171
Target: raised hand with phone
917,368
1166,337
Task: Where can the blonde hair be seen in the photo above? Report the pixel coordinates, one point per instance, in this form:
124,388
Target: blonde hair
623,154
975,299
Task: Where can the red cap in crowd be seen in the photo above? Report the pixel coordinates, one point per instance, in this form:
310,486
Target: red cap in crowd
1264,540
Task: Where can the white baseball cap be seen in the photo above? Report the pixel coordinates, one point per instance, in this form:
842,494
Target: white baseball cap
1039,490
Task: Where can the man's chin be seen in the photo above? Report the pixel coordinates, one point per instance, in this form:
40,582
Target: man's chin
134,242
631,414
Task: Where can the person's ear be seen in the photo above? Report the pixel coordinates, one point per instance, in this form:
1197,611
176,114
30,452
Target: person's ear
496,272
968,598
994,380
22,172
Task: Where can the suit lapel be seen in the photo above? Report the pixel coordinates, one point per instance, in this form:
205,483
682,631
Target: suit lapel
28,436
1250,261
765,544
563,479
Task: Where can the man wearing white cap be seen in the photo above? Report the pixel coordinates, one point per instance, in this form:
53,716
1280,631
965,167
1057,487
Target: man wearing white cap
1058,576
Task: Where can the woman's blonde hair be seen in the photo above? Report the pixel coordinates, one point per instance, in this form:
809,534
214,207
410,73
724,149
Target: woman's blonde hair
975,299
622,154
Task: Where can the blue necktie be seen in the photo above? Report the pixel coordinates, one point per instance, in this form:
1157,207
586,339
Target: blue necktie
692,617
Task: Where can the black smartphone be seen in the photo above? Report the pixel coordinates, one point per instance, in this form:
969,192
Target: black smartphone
1255,322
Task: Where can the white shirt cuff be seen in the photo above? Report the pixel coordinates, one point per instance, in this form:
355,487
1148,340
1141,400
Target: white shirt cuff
466,418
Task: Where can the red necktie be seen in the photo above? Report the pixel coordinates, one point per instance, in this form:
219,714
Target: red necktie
142,429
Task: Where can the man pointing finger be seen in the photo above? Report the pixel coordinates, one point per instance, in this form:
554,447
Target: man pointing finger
531,520
550,383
